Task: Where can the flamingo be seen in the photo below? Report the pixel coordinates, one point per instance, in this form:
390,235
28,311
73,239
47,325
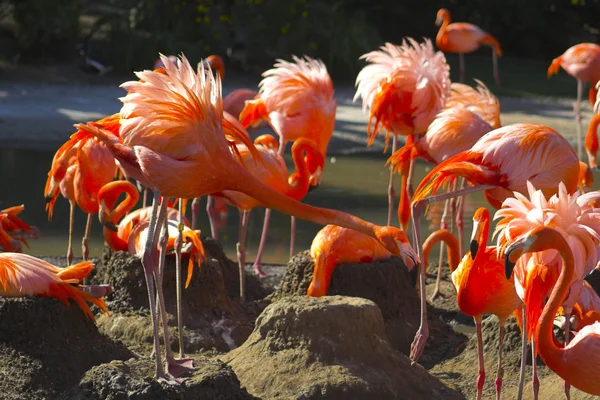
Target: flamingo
461,38
403,87
578,219
506,158
334,245
25,275
125,236
469,113
15,227
172,141
482,289
586,177
577,362
591,141
582,62
297,100
79,169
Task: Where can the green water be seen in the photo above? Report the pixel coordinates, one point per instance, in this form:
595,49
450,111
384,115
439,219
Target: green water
356,184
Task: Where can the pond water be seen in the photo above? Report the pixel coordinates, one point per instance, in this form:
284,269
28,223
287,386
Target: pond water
356,184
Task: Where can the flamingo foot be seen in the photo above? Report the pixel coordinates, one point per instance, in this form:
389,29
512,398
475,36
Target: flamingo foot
567,388
418,344
498,387
177,367
259,271
435,294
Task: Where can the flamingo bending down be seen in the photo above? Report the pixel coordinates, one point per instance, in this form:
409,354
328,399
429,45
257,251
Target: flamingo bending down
125,236
507,158
582,62
482,289
172,141
591,141
334,245
25,275
403,87
79,169
297,100
576,217
461,38
577,362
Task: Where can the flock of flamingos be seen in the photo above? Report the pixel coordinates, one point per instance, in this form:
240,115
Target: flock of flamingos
177,137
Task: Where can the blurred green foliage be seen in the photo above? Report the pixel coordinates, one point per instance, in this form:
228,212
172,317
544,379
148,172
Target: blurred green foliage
255,32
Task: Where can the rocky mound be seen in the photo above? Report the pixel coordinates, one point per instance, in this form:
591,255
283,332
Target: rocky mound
388,284
120,380
213,316
328,348
45,347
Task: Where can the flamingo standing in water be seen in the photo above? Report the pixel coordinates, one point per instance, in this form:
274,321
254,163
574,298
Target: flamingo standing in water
172,141
272,172
504,158
461,38
403,87
297,100
582,62
79,169
577,218
577,362
481,287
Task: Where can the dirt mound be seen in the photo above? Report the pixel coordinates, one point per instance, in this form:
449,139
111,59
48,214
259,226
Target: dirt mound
120,380
388,284
212,315
45,347
332,347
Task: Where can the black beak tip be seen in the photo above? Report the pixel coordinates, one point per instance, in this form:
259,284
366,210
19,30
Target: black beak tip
508,266
474,247
111,226
312,187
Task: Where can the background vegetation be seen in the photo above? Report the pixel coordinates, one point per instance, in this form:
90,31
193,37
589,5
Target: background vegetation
128,34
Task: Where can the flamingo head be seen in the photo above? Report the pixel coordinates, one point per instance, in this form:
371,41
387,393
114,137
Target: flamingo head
396,242
442,14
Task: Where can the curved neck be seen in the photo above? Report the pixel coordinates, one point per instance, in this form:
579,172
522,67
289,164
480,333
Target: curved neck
441,35
483,236
299,180
442,235
109,197
550,352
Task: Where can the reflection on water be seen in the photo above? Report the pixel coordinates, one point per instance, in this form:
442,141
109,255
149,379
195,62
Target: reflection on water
355,184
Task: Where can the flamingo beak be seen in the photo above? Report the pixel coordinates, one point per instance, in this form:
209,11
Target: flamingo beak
512,254
438,21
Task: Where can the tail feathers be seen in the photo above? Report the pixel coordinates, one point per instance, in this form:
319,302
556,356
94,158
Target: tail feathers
253,113
389,105
319,285
63,291
467,164
442,235
554,67
403,155
76,273
197,253
492,41
240,136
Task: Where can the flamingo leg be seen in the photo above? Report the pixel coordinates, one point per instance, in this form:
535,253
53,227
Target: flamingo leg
145,197
241,252
196,211
535,382
391,192
443,225
578,117
460,225
567,386
292,237
481,374
500,372
178,245
71,223
261,247
523,354
85,251
422,334
495,66
461,66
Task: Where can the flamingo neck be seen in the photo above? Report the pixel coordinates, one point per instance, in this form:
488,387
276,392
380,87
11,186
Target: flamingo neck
132,196
440,39
299,180
442,235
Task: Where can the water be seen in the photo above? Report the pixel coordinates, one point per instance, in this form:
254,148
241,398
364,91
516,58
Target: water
356,184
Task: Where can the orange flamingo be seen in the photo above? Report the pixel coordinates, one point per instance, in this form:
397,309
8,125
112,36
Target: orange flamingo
125,236
482,289
171,140
25,275
297,100
586,177
461,38
334,245
591,141
272,172
582,62
577,362
577,218
507,157
79,169
403,87
15,227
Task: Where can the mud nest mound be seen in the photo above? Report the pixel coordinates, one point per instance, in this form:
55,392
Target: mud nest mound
213,317
120,380
45,347
332,347
388,284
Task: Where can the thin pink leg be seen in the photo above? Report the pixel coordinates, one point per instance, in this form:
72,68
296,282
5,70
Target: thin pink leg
212,217
500,372
443,225
535,382
523,355
261,247
481,374
567,386
578,118
460,221
495,66
71,222
241,253
196,211
292,237
391,192
85,250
